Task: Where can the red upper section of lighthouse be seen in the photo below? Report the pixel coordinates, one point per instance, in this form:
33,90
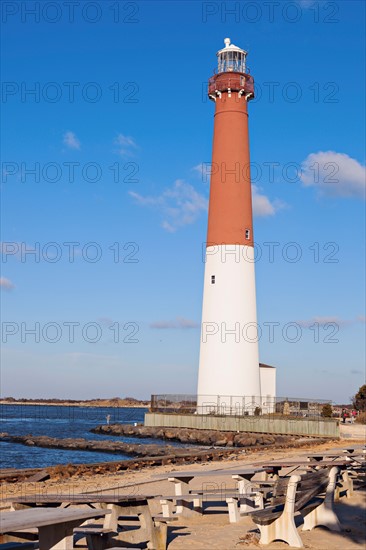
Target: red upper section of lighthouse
236,82
230,206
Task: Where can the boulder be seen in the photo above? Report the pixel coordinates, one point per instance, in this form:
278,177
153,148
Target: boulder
244,440
170,433
221,441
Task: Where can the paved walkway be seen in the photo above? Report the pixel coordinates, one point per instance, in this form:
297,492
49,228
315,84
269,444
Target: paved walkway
353,431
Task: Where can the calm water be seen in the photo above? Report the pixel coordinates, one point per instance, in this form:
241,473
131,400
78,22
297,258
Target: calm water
60,421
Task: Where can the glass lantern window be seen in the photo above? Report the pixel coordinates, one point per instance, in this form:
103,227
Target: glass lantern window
231,61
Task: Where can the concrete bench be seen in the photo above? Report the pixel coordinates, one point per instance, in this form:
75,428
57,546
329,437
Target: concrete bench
299,494
97,538
193,502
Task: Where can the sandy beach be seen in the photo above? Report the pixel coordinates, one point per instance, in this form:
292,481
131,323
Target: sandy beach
212,529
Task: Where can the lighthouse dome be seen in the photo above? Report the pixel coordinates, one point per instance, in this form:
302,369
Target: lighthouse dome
231,58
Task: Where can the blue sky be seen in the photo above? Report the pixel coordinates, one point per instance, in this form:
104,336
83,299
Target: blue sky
118,133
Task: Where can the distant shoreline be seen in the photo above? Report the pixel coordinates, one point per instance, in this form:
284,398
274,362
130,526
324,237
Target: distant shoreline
95,404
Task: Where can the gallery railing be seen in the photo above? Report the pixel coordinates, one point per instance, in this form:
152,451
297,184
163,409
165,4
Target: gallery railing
237,405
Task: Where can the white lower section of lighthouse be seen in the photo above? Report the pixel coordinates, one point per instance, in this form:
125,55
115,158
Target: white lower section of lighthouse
229,361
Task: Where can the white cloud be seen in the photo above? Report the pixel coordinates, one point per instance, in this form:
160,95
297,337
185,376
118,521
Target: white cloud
262,206
179,323
71,140
180,204
6,284
321,321
199,168
326,320
203,170
334,174
126,145
146,201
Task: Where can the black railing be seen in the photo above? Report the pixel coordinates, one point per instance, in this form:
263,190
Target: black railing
237,405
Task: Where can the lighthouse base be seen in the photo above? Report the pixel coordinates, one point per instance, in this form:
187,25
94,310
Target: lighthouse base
229,361
243,405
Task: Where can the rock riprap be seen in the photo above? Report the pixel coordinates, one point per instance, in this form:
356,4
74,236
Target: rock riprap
104,446
197,437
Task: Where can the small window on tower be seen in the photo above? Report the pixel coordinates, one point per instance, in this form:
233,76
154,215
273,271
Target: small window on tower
247,234
213,280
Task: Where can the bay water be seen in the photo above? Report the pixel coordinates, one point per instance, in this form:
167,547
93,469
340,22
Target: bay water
62,421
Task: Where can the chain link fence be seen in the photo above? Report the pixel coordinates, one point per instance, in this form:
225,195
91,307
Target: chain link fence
234,405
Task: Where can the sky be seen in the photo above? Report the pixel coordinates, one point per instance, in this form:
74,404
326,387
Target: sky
106,150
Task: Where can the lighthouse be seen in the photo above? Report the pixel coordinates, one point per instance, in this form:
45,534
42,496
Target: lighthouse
229,361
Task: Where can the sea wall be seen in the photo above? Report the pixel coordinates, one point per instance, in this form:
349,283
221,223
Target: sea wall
313,427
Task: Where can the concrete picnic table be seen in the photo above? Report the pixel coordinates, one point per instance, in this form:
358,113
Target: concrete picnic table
294,466
113,506
346,453
55,525
355,456
182,479
323,457
305,463
349,455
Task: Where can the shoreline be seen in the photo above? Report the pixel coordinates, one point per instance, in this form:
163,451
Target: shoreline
169,457
79,404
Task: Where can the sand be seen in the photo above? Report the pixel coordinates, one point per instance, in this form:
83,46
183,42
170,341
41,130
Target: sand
212,530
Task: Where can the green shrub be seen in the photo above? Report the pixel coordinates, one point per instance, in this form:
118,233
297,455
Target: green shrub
361,418
359,400
327,411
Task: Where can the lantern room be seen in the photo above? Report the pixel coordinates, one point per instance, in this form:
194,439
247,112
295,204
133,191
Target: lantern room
231,58
232,75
